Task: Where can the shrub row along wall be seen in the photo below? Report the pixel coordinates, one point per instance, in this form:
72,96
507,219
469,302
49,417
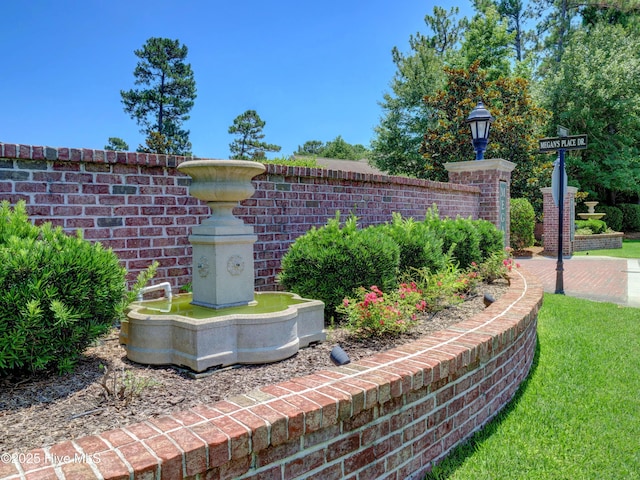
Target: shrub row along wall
387,416
138,204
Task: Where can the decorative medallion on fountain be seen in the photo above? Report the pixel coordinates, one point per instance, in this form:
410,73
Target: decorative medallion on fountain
203,267
235,265
238,328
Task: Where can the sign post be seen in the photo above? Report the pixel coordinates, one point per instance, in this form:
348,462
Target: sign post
561,144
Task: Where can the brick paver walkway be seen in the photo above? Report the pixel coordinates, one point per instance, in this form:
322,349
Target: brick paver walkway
602,279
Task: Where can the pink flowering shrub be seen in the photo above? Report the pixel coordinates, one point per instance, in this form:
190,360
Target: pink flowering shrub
447,287
373,312
497,266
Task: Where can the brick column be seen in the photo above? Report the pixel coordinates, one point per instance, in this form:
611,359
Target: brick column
550,222
493,177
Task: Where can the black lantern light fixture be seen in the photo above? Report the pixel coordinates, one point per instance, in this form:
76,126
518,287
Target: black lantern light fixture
480,121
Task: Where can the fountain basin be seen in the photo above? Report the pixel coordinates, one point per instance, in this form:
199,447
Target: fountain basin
591,216
273,328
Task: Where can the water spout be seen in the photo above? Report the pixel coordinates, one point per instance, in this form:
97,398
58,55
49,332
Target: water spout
166,286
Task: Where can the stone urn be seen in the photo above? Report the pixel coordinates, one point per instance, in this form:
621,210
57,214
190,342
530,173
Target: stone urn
222,244
222,184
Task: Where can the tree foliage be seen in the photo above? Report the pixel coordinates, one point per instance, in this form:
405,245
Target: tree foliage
614,12
156,142
339,148
310,147
596,90
167,95
488,42
581,62
419,73
446,29
249,145
514,133
117,145
336,148
514,12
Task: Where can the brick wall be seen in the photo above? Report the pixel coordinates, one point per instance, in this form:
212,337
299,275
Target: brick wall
138,204
387,416
550,222
487,175
600,241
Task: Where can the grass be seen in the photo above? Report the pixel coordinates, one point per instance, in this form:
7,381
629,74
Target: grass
630,249
577,416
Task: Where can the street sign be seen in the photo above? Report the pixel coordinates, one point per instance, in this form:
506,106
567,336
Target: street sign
573,142
561,144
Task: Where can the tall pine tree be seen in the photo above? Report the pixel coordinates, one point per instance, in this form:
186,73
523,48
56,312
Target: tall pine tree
249,145
163,104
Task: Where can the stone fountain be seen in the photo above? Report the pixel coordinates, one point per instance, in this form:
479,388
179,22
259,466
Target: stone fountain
223,322
591,214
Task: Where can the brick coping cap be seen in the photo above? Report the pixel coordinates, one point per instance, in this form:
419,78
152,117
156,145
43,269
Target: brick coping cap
476,165
31,152
548,190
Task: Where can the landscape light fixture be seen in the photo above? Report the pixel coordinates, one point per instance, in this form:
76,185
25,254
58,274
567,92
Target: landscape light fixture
480,121
338,356
488,299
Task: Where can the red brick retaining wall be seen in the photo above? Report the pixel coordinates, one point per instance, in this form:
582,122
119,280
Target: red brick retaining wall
600,241
138,204
390,416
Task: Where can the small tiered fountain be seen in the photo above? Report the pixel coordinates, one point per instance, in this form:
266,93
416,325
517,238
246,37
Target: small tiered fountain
223,322
591,214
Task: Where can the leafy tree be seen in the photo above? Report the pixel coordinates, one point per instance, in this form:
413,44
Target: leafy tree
168,96
395,148
339,148
446,30
554,26
596,90
310,147
117,145
448,139
156,143
360,151
488,42
514,134
249,145
513,11
620,12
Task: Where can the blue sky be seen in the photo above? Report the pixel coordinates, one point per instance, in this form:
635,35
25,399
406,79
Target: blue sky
312,70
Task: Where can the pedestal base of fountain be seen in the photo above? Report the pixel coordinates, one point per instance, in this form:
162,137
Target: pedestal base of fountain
223,339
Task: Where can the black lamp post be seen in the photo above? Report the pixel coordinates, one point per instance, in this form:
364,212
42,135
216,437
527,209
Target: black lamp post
480,122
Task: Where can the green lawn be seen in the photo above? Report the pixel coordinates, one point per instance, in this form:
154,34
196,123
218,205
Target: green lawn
577,416
630,249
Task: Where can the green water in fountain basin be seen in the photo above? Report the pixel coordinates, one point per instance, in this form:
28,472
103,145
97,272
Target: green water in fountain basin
162,332
181,305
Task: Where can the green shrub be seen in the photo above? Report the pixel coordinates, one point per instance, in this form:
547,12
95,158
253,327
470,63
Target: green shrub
613,217
630,217
595,226
310,162
57,294
460,238
328,263
523,223
491,239
420,247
